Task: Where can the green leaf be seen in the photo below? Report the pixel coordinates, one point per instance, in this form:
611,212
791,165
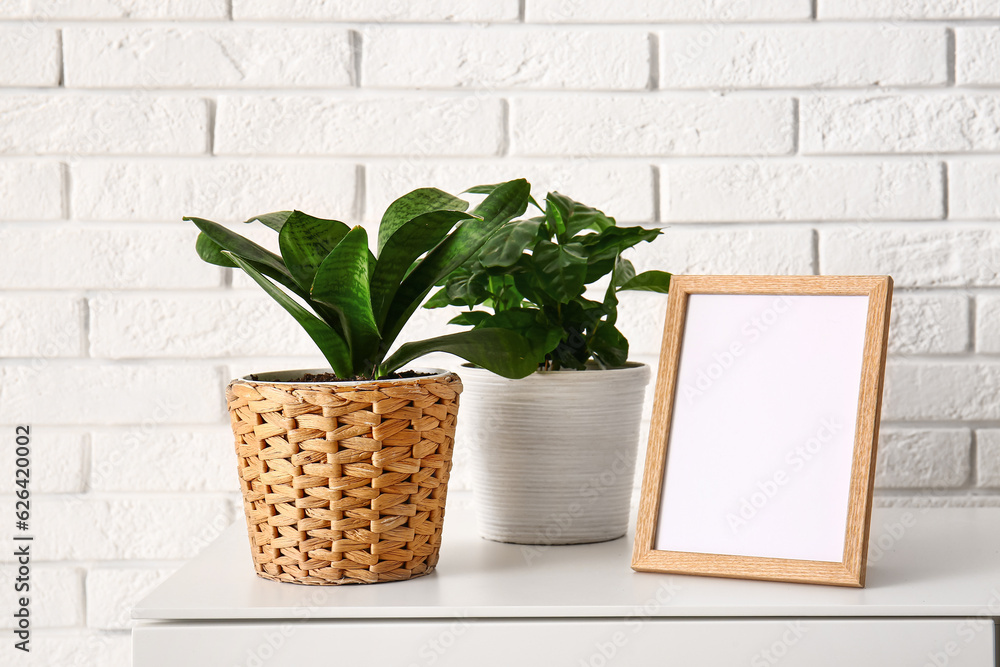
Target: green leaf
609,346
558,209
274,220
610,297
624,272
329,342
506,202
411,205
470,318
305,242
562,269
265,261
342,284
649,281
530,323
501,351
212,252
467,289
614,240
506,246
409,240
488,189
438,300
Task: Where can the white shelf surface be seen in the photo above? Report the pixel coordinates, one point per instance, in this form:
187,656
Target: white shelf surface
923,563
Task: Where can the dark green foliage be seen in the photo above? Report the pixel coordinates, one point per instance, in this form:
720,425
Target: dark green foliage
354,304
531,275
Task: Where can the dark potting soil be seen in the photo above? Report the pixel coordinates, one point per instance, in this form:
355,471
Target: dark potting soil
332,377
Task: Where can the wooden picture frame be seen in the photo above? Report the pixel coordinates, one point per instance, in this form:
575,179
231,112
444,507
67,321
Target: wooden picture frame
709,452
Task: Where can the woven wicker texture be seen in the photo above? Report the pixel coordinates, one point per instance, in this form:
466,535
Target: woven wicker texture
344,484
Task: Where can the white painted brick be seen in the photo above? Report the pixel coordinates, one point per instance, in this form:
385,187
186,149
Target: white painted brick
138,528
908,9
623,190
111,594
41,326
217,189
366,10
812,55
988,458
901,123
114,9
103,394
501,57
755,190
159,459
929,323
32,191
915,256
86,125
974,190
641,316
651,125
218,324
977,52
358,126
988,323
915,458
941,390
58,462
56,596
99,257
642,11
78,648
223,57
690,250
29,56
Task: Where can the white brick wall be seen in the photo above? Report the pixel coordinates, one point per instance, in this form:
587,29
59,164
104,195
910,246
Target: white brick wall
786,137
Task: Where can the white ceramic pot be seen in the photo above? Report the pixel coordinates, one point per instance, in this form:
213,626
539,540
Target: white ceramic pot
553,454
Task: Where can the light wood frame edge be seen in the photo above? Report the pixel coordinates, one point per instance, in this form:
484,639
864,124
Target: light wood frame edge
851,571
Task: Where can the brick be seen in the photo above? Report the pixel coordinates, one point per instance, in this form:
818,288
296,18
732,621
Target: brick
139,123
683,250
111,594
56,596
623,190
217,189
929,323
103,257
642,11
908,9
217,57
901,123
651,125
988,323
147,459
641,316
353,126
941,390
789,56
138,528
114,9
915,458
914,257
977,51
29,56
103,394
43,326
193,326
974,190
988,458
32,191
78,648
755,190
364,10
58,462
482,57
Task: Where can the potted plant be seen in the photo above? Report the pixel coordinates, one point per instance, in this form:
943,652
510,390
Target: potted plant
344,471
553,454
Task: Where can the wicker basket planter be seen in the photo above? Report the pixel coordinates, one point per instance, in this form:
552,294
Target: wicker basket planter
342,482
553,454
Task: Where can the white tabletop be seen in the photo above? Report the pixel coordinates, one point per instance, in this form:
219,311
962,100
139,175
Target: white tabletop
922,562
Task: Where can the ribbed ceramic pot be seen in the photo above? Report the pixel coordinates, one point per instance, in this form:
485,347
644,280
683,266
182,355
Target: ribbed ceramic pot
553,454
